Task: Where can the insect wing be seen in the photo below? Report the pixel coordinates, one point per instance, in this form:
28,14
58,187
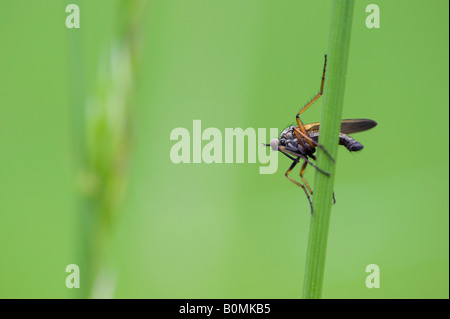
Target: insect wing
347,126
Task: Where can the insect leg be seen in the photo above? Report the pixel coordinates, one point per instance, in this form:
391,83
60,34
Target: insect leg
284,150
302,171
298,184
310,141
301,131
301,128
320,92
289,156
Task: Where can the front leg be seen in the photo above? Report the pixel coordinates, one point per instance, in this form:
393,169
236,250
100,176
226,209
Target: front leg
298,184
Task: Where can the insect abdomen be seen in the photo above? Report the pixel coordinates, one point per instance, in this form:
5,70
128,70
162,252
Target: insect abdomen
350,143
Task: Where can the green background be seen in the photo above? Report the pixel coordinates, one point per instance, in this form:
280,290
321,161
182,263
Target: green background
224,230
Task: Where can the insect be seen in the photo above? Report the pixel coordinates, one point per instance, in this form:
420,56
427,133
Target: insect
300,142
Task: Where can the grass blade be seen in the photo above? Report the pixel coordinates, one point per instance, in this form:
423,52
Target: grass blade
341,22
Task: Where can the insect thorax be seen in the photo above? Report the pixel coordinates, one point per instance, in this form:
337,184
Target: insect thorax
290,141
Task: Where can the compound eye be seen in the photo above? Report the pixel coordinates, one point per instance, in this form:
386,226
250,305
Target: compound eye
274,144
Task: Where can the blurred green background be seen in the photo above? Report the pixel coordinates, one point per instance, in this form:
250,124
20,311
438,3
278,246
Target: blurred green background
224,230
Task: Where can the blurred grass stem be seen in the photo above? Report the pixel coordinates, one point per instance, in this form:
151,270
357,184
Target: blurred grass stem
103,145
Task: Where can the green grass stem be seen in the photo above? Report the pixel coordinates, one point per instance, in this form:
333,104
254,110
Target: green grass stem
341,22
102,127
